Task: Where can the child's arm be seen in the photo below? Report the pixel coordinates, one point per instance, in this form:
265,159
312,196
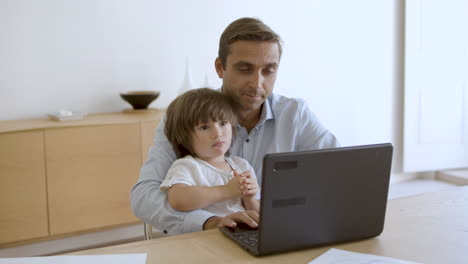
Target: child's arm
184,197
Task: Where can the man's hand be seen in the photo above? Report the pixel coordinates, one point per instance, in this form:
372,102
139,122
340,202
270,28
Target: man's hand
250,218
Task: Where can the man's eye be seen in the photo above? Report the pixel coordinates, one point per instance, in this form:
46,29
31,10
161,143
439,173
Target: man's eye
269,70
244,69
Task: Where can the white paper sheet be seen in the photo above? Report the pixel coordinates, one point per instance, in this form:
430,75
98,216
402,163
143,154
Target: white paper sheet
87,259
338,256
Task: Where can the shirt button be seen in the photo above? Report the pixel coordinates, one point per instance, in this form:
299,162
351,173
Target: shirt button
247,140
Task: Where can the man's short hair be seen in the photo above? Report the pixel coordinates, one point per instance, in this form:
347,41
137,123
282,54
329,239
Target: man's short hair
191,109
245,29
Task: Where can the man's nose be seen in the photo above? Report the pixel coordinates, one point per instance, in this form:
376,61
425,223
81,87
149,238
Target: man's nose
256,80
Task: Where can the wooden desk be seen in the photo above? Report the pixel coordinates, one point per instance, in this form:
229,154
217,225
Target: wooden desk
427,228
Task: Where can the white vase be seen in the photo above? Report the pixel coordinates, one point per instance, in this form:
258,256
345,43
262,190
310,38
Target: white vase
187,84
207,83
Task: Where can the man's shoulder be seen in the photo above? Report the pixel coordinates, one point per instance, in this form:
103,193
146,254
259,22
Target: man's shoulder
281,104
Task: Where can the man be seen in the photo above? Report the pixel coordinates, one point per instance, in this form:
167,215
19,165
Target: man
248,60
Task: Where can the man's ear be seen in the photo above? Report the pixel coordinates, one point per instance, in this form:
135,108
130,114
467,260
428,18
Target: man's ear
219,67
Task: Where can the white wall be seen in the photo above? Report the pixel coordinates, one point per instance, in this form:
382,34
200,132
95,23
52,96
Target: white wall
340,56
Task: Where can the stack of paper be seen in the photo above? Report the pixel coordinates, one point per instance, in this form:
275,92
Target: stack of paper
337,256
92,259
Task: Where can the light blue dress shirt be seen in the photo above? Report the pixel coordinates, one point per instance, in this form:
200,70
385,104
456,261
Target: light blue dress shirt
286,124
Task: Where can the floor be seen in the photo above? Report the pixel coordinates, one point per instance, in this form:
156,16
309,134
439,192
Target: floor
135,232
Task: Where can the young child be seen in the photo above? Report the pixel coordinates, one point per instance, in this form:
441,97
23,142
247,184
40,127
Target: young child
200,125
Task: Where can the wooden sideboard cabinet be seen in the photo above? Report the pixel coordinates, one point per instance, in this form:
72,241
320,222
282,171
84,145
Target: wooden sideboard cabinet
63,178
23,197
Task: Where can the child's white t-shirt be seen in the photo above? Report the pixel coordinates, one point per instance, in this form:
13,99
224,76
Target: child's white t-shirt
196,172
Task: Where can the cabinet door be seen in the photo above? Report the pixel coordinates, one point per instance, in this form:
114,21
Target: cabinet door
90,173
148,129
23,199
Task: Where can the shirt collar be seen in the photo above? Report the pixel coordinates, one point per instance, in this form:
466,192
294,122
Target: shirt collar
267,112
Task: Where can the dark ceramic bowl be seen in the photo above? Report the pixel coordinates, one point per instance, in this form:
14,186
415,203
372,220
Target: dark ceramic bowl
140,99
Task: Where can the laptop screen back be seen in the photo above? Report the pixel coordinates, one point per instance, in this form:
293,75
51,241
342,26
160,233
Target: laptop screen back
311,198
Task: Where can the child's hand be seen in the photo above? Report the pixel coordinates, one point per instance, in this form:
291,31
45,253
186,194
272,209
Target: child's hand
249,185
243,185
234,186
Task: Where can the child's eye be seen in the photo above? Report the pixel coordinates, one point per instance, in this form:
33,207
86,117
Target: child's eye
204,127
223,123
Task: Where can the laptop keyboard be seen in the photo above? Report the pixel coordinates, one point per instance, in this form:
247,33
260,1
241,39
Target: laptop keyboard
248,237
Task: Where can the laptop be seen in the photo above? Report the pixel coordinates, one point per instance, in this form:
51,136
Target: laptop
319,197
